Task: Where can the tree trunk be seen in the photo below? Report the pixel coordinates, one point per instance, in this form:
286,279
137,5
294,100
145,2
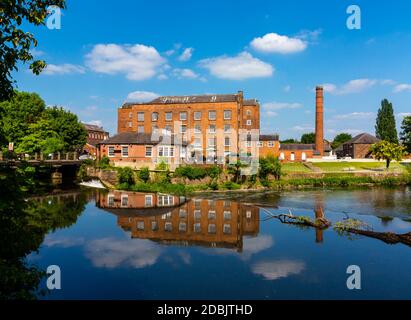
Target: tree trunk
388,164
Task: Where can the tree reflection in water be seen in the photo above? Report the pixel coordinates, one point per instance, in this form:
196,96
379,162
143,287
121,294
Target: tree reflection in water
23,225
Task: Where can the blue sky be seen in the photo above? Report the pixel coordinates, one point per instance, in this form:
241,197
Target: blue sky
275,51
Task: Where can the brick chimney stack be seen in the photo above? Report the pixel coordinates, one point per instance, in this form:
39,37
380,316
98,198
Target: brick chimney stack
319,120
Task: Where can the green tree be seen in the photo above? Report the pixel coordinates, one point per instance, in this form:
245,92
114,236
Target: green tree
288,141
16,115
385,127
340,139
126,176
68,127
308,138
406,133
235,170
269,166
144,174
16,44
388,151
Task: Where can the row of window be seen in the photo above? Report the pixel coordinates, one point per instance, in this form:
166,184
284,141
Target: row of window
182,227
183,128
162,200
212,115
92,135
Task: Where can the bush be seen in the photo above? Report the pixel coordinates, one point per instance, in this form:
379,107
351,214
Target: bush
163,177
213,172
270,166
228,185
104,162
144,174
190,172
125,176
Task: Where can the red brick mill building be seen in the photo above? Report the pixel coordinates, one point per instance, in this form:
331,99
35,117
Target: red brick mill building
201,129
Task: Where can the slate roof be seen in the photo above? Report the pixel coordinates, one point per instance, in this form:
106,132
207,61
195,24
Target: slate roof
93,127
297,146
363,138
250,102
269,137
139,138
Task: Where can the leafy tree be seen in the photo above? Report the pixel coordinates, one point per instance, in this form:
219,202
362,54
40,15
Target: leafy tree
126,176
388,151
385,127
144,174
340,139
16,115
16,43
68,127
235,169
308,138
269,166
406,133
288,141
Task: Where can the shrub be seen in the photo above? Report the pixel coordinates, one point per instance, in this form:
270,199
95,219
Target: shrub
125,176
229,185
213,172
144,174
190,172
270,166
104,162
163,177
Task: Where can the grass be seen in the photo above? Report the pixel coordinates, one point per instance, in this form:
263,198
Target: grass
357,166
294,167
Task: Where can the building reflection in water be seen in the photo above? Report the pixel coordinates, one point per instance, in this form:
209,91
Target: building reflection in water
173,220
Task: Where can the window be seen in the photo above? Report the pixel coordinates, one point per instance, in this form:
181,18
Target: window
149,151
211,228
140,225
227,215
124,200
130,124
148,200
197,115
111,151
197,203
248,144
197,227
169,116
182,214
211,128
227,114
211,215
197,214
212,142
197,142
248,214
182,227
227,128
165,151
124,151
154,225
303,156
248,112
270,144
227,229
197,128
249,122
183,116
226,141
140,129
140,116
212,115
168,227
165,200
292,156
282,156
183,128
130,115
169,128
259,144
154,116
110,200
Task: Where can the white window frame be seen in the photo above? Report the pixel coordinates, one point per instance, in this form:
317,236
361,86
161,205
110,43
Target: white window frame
138,116
212,131
109,198
165,200
249,122
153,118
230,114
181,116
122,151
195,114
210,113
169,114
146,197
165,151
123,197
225,142
109,153
140,225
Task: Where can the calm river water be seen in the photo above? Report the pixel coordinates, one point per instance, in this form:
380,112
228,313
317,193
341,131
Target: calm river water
224,246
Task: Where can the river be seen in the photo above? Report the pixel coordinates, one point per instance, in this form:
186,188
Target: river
123,245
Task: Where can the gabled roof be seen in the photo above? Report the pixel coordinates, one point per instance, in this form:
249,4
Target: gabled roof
93,127
141,138
363,138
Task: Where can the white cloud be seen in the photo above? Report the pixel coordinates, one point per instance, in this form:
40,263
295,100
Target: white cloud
355,116
404,114
275,43
96,122
241,67
271,106
62,242
37,53
352,86
185,73
137,62
277,269
142,96
309,35
402,87
54,69
162,77
303,128
186,55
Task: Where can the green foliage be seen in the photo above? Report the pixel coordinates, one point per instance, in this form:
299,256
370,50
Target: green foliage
144,174
164,175
269,166
342,227
288,141
235,169
126,176
195,172
308,138
385,150
174,189
385,127
16,43
340,139
104,162
229,185
214,171
406,133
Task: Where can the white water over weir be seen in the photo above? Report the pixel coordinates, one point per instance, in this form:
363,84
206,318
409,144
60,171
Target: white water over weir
93,184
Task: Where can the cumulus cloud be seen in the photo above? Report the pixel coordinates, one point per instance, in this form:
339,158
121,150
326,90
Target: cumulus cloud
270,106
67,68
241,67
275,43
141,96
98,123
277,269
137,62
185,73
402,87
352,86
355,116
186,55
113,253
252,246
306,128
404,114
62,242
